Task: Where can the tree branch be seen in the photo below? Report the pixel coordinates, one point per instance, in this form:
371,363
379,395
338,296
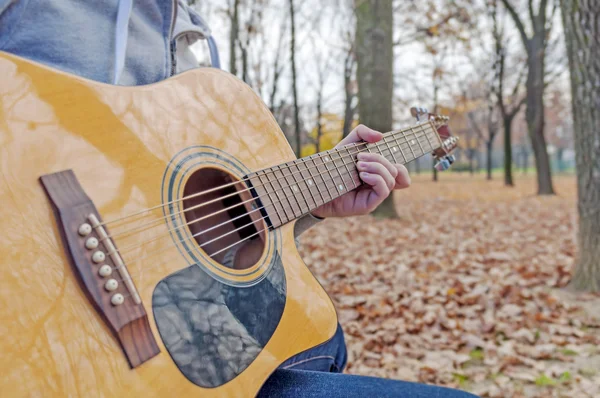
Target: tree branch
531,13
520,27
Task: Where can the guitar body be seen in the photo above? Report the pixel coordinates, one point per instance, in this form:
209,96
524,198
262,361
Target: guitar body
217,331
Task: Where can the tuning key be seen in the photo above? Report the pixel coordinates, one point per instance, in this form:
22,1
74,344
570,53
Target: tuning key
451,159
442,165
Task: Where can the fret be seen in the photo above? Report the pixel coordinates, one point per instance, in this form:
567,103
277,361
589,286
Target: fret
401,151
290,185
322,174
314,172
325,159
351,173
390,149
299,180
282,194
419,141
411,141
426,134
429,136
264,186
398,149
311,184
338,158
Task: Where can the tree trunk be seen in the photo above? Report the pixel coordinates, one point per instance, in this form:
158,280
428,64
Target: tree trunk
294,81
233,37
374,55
582,34
508,178
534,115
489,145
471,157
348,92
319,117
535,126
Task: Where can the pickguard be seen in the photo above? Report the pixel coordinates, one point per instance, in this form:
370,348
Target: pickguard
214,331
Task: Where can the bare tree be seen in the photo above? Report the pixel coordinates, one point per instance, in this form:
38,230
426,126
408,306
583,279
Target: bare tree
510,105
486,117
277,67
580,19
294,79
535,47
349,90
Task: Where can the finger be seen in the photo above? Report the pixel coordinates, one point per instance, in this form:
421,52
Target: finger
361,133
378,184
379,169
375,157
403,178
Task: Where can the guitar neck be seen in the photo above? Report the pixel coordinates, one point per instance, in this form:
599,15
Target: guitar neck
290,190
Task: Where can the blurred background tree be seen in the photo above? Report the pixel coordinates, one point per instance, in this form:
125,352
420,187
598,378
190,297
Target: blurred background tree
375,58
483,62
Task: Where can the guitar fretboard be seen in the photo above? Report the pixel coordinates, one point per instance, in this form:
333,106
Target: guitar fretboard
290,190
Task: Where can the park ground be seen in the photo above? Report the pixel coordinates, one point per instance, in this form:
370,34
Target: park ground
466,289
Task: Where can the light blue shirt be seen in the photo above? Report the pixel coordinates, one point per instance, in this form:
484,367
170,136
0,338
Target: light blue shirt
81,36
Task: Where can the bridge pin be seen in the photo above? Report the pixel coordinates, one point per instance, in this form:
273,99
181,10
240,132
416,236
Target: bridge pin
84,229
105,270
117,299
91,243
111,285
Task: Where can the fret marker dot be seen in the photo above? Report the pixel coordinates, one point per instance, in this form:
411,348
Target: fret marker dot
412,142
309,182
341,187
326,159
295,188
395,149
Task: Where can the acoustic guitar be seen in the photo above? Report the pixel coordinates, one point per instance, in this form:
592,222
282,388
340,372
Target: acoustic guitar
147,234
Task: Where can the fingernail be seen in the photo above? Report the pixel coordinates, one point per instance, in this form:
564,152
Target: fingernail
363,174
361,165
361,155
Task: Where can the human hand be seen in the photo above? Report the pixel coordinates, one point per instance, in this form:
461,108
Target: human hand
379,175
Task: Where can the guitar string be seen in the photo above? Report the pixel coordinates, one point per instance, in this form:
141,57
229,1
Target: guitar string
165,217
155,222
159,221
421,127
167,233
245,226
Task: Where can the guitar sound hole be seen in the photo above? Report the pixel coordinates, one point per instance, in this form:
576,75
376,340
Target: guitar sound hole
223,221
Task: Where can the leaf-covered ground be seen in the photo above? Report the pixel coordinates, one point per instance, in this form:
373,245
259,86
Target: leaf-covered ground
465,289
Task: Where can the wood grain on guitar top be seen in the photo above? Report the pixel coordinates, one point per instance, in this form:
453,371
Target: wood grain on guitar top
118,141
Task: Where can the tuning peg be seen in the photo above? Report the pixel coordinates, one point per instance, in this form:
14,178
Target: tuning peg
418,112
451,159
442,165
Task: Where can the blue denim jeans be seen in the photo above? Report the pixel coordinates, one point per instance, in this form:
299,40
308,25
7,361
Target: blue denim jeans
317,373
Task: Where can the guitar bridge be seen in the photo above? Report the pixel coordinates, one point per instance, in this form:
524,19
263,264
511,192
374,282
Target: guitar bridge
96,262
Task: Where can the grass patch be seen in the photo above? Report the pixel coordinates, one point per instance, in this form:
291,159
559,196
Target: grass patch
461,379
569,352
477,354
545,381
565,377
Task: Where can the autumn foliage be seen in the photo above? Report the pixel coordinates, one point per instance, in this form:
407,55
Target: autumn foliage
464,290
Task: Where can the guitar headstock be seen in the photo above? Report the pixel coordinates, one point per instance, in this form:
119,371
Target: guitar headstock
448,143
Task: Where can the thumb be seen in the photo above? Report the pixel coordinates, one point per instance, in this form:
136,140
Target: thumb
361,133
